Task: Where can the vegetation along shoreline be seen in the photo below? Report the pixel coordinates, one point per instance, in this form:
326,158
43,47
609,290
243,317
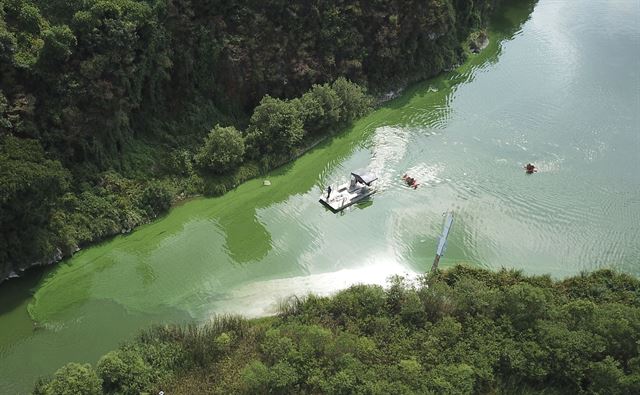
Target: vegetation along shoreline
108,108
459,331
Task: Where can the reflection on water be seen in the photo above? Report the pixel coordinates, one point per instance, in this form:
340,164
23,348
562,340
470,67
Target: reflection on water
547,90
250,298
237,226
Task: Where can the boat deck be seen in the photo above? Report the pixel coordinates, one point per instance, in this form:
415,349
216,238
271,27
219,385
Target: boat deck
345,197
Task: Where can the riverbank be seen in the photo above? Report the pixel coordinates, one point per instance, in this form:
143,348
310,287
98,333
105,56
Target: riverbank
279,131
118,204
107,152
465,134
462,330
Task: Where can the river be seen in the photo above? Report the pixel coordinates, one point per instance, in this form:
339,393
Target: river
558,86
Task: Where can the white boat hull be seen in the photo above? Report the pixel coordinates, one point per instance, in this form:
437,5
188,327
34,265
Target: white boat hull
345,196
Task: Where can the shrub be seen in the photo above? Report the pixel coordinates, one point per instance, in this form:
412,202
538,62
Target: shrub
73,379
275,127
222,343
359,301
451,379
223,150
355,101
124,371
179,162
606,377
156,199
256,377
282,376
370,340
321,108
524,304
276,347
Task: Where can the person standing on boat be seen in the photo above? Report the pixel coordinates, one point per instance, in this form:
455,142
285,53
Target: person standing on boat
328,192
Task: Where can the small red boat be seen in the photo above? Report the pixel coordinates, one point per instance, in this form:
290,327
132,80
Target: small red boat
530,169
412,182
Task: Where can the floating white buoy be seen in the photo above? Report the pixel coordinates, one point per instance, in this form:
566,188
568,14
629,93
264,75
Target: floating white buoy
266,183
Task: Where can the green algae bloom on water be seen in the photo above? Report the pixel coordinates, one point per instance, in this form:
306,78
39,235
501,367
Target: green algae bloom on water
536,93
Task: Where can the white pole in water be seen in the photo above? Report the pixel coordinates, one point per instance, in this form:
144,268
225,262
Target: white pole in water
442,244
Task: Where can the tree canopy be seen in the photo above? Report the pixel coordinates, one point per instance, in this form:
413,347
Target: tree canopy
223,150
461,331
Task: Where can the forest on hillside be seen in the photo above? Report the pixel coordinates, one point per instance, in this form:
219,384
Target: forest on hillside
112,109
461,331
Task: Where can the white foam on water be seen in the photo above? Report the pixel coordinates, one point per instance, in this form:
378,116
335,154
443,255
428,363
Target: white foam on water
389,147
261,298
426,174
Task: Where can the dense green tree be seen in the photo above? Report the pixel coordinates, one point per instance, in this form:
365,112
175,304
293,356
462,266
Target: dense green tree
72,379
5,124
155,199
257,377
30,186
524,304
606,377
59,43
321,108
451,379
223,150
354,98
124,372
275,127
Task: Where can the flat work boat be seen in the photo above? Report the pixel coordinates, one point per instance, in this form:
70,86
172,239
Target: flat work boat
357,189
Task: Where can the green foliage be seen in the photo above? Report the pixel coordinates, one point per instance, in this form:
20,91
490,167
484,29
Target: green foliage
321,108
156,199
30,187
275,127
5,124
124,371
223,150
72,379
179,162
59,43
522,335
354,99
256,377
607,377
603,286
131,87
524,304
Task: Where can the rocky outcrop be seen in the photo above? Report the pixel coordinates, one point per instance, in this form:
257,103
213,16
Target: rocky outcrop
478,41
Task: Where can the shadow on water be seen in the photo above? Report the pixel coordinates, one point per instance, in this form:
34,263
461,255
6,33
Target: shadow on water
246,237
364,204
16,291
511,16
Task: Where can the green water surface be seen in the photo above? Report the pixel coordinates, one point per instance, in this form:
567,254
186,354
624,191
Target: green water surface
558,86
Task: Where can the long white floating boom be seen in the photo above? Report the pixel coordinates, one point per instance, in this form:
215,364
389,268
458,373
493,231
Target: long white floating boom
442,244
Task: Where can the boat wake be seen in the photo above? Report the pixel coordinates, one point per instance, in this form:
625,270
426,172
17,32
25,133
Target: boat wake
390,144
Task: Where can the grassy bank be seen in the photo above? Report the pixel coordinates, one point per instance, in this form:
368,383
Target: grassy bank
460,331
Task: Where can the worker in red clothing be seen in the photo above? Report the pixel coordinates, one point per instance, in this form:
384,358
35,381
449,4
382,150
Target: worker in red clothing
412,182
530,169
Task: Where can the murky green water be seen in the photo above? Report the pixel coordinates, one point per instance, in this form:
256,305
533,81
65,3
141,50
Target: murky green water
559,86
